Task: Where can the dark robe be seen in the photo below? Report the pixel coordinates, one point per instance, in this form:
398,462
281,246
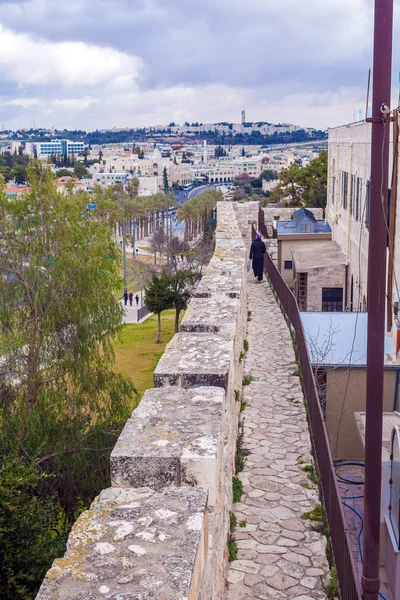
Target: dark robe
257,252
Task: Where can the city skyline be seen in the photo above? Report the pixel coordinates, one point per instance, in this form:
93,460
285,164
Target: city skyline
142,62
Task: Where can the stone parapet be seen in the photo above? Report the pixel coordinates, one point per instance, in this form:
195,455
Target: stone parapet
137,544
173,438
178,448
195,359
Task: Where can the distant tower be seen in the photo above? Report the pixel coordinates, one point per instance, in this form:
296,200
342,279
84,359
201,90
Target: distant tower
243,116
205,152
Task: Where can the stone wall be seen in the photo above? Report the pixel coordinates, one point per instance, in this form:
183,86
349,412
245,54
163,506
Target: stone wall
327,277
161,530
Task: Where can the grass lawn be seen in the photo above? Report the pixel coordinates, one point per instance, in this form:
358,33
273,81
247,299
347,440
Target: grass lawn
137,354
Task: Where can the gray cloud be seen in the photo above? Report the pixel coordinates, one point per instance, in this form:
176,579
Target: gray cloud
261,52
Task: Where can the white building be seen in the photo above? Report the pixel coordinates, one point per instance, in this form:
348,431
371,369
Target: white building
55,147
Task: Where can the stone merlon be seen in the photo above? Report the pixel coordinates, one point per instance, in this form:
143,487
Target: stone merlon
173,438
134,545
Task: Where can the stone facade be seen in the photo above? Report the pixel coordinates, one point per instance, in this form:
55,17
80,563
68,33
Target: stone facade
161,530
350,157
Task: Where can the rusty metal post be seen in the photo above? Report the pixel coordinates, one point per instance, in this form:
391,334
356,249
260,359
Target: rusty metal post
376,294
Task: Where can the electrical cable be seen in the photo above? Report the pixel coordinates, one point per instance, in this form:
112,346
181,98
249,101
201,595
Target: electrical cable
341,463
345,463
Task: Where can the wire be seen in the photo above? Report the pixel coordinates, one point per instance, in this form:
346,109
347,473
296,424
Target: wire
341,463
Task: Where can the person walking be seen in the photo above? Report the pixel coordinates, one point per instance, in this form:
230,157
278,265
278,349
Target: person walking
257,252
137,299
126,297
130,298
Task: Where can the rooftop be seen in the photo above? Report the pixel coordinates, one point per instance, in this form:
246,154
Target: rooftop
300,217
340,339
319,255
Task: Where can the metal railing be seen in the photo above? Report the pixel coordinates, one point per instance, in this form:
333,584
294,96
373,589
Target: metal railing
339,536
142,313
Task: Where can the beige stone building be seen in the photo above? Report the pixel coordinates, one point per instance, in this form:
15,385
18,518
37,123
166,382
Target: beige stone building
347,212
301,231
319,271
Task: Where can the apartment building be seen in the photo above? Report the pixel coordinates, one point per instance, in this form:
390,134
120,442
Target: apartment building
348,213
55,147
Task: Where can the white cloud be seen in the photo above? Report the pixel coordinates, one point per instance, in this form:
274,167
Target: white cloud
130,63
29,61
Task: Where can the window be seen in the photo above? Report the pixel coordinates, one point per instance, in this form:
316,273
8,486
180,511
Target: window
358,199
345,185
332,299
352,194
367,204
288,265
333,176
305,228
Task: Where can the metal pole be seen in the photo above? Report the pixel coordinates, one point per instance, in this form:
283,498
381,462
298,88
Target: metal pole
166,226
133,236
154,239
123,230
376,294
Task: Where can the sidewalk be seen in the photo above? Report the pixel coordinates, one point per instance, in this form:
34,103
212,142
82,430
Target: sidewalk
131,312
280,556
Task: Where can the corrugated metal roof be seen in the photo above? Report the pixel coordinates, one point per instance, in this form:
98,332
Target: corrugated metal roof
340,339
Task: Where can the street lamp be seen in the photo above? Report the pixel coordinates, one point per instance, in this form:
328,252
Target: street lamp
134,227
123,229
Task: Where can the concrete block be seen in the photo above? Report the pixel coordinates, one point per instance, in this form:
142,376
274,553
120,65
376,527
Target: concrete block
134,545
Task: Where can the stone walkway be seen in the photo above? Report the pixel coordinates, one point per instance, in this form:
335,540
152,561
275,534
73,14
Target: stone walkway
279,554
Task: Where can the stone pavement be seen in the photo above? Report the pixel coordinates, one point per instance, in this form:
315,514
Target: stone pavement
279,554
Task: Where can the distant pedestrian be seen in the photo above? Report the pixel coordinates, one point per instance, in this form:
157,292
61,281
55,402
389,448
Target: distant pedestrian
137,251
182,257
137,299
126,297
130,298
257,252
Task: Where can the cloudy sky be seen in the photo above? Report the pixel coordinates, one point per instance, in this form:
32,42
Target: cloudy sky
117,63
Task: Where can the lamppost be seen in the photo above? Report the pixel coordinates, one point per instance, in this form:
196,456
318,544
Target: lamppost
154,237
134,227
123,229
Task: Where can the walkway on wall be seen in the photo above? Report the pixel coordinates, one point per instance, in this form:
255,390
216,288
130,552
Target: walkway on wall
280,556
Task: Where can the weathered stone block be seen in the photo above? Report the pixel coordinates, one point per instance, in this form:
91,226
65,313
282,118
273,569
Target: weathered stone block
194,360
173,438
218,313
134,545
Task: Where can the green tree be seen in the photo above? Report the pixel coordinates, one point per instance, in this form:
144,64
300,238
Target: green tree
313,178
64,173
85,156
30,532
165,181
61,405
6,172
80,171
180,284
289,189
158,297
19,174
269,175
